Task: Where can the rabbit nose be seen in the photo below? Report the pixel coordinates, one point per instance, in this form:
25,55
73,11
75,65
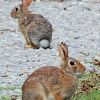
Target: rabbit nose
12,15
74,68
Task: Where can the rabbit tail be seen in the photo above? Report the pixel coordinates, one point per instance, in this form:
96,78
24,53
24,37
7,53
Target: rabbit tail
44,43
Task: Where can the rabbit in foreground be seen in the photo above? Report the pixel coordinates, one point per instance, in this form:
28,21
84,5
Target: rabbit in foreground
53,83
36,29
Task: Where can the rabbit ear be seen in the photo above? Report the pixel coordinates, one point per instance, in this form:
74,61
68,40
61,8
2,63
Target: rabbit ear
61,52
26,2
65,48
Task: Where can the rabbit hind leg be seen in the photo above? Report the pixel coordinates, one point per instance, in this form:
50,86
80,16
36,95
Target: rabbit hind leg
31,95
29,44
32,45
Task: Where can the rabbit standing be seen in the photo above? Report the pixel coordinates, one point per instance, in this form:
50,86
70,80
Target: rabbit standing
36,29
53,83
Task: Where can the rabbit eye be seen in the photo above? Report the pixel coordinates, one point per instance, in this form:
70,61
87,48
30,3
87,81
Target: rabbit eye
16,9
72,63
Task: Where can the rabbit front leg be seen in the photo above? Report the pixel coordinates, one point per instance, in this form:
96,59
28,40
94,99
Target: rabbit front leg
27,45
28,42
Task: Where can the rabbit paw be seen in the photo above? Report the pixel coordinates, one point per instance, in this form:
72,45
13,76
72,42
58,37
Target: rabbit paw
29,46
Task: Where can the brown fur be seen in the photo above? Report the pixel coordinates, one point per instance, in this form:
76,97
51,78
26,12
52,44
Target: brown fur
53,83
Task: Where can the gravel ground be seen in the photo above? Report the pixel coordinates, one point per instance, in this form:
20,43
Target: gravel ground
75,23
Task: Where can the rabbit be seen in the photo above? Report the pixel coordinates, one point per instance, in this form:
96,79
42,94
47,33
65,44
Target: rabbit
36,29
53,83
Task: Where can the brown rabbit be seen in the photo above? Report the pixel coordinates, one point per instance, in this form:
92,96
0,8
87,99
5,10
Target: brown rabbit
53,83
36,29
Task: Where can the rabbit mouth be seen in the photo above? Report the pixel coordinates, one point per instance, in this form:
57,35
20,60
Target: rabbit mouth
14,16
